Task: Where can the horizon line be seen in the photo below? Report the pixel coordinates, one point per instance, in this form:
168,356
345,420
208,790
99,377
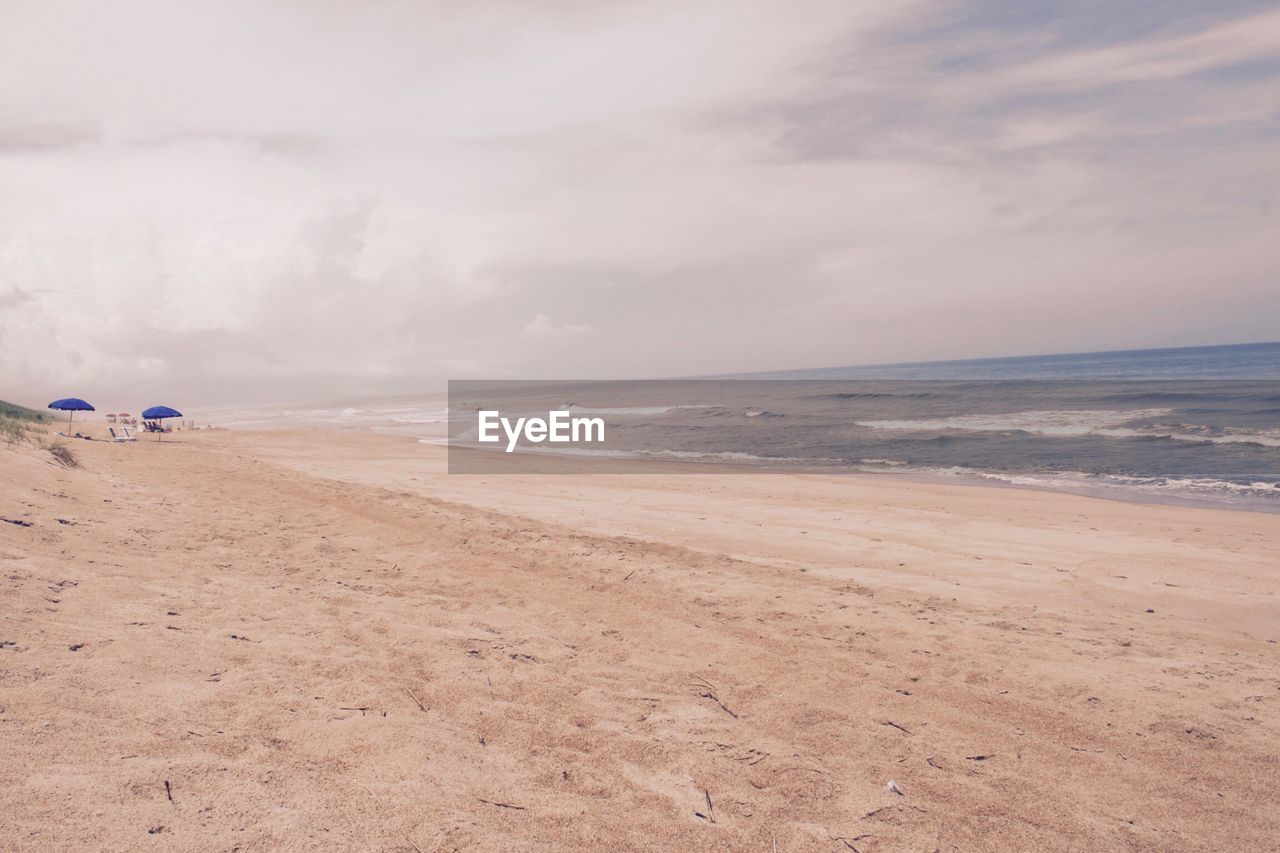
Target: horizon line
931,362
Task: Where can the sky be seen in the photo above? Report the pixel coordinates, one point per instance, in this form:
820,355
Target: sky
246,201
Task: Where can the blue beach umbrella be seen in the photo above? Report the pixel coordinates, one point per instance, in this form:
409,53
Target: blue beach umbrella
71,405
157,413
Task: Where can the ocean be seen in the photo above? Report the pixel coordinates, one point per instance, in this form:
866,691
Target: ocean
1190,425
1237,361
1198,425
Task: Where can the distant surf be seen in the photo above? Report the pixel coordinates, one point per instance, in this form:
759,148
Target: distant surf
1200,425
1193,424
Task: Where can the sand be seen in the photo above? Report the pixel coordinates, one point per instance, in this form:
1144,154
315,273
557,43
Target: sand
316,639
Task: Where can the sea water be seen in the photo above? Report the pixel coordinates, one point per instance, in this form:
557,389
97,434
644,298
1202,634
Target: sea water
1195,424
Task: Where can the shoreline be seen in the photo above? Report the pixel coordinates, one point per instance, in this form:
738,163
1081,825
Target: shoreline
572,465
992,479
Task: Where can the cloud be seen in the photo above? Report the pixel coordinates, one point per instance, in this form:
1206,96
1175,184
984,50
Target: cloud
34,135
13,297
541,327
1162,58
249,201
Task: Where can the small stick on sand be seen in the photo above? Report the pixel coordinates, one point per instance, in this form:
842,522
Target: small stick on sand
418,701
709,693
168,792
501,805
896,726
714,698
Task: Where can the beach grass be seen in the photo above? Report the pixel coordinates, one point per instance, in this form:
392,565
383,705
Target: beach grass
22,413
19,425
16,422
63,455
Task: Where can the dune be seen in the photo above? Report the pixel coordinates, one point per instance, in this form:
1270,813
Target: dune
317,639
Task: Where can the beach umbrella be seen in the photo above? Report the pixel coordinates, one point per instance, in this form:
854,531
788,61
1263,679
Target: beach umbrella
159,413
71,405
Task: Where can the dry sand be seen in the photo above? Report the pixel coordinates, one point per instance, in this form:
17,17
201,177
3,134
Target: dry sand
317,640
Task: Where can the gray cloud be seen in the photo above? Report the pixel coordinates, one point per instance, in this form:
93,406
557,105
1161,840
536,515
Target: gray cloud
33,135
241,201
13,297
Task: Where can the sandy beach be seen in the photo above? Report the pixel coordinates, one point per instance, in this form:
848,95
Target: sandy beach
307,639
703,426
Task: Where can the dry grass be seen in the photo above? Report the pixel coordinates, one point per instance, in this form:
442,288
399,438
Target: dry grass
12,410
63,455
17,422
12,431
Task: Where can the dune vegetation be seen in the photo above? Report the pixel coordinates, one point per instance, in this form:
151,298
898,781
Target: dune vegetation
12,411
15,421
18,425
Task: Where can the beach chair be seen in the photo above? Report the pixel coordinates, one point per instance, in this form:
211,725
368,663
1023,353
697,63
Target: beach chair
123,435
128,436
